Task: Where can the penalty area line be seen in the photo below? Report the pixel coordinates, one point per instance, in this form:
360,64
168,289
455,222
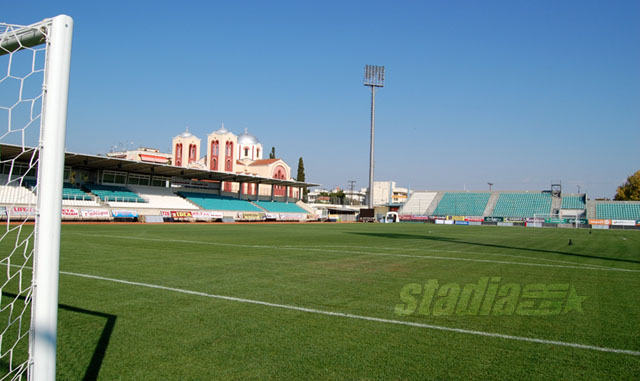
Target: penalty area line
576,266
361,317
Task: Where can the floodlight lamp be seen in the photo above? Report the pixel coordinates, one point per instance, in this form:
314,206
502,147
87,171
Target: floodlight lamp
374,76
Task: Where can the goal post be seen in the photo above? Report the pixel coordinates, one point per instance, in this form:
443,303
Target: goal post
36,122
559,220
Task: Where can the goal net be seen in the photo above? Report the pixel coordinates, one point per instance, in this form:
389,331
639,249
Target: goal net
34,77
557,220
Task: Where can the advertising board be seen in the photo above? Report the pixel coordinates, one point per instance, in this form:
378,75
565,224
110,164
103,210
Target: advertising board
124,213
70,213
95,213
181,214
623,222
599,222
21,211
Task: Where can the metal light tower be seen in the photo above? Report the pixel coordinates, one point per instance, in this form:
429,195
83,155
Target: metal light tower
373,77
351,184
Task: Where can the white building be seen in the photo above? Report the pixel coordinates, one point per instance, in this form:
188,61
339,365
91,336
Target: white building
386,192
148,155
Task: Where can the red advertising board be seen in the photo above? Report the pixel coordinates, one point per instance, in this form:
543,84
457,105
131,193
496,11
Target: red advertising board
70,212
178,214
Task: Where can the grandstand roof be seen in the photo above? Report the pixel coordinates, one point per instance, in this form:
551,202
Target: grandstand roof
84,161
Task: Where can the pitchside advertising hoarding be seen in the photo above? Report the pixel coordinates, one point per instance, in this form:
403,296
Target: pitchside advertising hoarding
409,217
292,217
194,214
454,220
180,214
599,221
124,213
623,222
250,216
65,213
206,214
95,213
70,213
21,211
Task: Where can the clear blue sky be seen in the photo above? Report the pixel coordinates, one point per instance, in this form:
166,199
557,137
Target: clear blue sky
518,93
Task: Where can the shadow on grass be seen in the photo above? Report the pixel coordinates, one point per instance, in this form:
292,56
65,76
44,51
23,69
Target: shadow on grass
99,352
453,240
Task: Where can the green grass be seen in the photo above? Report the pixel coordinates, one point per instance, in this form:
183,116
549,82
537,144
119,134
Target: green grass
122,331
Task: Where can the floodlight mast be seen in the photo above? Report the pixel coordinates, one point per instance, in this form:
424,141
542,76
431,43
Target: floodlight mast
373,77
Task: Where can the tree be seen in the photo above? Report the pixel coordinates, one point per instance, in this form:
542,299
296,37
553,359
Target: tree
337,197
272,155
629,191
300,176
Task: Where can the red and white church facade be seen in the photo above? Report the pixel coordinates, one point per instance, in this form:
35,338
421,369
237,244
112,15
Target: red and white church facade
238,154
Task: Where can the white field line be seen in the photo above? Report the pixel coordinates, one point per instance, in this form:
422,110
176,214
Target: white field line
577,266
361,317
449,251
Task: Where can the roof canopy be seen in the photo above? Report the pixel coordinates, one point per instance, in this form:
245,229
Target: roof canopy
93,162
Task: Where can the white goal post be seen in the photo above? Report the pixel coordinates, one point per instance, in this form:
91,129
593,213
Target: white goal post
558,220
34,81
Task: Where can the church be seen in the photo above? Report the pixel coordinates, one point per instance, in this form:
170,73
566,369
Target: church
227,152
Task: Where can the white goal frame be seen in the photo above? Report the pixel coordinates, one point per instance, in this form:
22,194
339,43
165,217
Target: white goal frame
56,35
576,223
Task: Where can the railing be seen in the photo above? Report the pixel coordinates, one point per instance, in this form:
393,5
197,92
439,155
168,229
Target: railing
122,199
77,197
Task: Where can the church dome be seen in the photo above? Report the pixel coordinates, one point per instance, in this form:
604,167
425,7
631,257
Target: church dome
186,134
222,130
246,138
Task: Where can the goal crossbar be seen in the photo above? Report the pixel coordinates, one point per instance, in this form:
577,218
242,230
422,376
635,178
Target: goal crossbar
23,38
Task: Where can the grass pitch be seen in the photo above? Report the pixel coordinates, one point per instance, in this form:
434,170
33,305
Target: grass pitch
328,301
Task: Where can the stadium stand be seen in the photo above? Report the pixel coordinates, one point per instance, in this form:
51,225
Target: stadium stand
159,198
70,192
113,193
214,202
279,207
618,211
573,202
522,204
418,203
15,194
462,204
74,196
